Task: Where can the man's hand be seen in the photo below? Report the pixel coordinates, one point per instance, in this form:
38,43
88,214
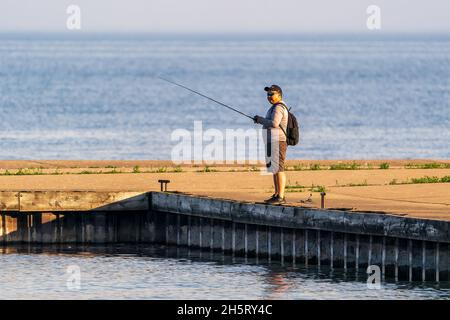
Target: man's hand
258,119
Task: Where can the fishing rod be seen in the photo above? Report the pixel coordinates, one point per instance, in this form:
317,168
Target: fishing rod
200,94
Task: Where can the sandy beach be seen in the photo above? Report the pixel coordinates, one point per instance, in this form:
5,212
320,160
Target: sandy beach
362,186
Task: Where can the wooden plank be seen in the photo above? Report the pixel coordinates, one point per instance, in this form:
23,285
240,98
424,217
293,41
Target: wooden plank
54,201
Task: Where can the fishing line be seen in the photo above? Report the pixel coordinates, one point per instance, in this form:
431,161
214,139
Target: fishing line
200,94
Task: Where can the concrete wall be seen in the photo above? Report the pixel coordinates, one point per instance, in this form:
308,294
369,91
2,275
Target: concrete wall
404,248
298,217
62,201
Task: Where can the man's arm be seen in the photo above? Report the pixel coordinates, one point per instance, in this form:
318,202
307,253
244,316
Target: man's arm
272,123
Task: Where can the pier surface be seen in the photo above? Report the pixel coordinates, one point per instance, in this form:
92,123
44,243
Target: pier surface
367,188
372,216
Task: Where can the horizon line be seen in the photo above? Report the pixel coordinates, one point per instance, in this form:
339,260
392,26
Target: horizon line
243,35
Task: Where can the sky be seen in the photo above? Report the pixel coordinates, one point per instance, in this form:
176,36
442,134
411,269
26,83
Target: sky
226,16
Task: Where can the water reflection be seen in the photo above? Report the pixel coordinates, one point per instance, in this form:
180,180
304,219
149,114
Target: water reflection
279,284
161,272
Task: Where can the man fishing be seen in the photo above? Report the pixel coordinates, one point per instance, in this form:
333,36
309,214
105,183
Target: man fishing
276,122
282,128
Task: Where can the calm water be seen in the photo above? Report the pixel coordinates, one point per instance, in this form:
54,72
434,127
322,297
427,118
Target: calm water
75,98
156,272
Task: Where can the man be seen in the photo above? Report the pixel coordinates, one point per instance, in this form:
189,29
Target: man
275,122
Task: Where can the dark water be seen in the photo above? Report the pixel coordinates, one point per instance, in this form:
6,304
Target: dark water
158,272
65,98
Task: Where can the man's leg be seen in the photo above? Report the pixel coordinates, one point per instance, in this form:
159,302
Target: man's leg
281,177
281,182
276,184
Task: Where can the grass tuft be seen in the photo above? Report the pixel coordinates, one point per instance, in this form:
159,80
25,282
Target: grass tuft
345,166
136,169
426,179
363,184
161,170
317,188
178,169
430,165
295,188
207,169
384,166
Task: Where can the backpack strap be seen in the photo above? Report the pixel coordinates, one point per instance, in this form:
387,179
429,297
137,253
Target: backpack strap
282,104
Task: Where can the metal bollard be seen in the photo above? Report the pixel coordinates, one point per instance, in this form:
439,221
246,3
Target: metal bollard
163,184
322,200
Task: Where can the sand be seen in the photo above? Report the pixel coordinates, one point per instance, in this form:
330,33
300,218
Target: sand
372,193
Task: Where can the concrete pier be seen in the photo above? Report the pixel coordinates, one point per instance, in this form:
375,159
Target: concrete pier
403,248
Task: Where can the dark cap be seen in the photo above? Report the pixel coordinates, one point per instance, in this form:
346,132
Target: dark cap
275,88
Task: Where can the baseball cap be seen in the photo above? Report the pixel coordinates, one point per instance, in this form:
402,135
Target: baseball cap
274,87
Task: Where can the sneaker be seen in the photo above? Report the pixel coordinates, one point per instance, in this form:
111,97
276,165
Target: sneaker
276,200
274,196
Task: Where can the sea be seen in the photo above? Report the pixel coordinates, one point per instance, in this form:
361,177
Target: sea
99,96
159,272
